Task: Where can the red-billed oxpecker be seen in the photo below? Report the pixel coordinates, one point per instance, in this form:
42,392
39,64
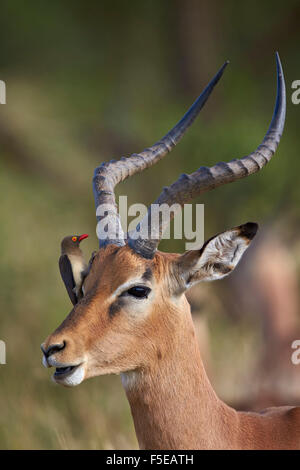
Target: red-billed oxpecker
72,266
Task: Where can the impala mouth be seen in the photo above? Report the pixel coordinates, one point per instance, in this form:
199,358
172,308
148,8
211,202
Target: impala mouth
69,375
60,371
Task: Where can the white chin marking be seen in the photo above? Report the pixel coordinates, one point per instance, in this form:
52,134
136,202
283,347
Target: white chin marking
72,379
129,379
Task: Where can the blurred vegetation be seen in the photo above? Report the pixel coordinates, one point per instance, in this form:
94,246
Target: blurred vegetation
91,81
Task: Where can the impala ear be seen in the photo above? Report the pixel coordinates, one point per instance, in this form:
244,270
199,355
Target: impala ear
217,258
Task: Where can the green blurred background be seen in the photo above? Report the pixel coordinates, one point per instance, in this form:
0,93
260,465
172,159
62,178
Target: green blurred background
90,81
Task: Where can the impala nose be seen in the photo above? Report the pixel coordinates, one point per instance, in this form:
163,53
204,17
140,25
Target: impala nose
52,349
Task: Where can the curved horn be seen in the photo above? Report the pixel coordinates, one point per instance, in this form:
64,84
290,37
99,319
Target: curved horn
204,179
109,174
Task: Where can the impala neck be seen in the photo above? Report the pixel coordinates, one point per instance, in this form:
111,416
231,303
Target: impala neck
172,402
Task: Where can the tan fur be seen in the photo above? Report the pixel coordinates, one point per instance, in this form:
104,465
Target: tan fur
155,349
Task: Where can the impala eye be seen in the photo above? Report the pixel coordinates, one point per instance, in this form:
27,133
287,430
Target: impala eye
139,292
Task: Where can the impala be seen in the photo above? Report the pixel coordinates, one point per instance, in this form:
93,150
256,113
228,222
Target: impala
134,318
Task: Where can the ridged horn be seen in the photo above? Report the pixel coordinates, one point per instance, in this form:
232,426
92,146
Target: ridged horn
205,179
109,174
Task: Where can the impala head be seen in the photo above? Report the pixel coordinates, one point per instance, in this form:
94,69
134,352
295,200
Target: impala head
134,295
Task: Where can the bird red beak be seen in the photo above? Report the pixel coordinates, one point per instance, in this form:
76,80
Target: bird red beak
82,237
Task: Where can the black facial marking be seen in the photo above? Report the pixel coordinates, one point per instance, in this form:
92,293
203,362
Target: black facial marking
147,276
115,307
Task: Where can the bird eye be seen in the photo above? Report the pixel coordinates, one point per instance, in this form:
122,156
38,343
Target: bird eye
74,239
139,292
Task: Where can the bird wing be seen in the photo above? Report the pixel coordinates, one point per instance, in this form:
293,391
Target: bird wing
66,272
